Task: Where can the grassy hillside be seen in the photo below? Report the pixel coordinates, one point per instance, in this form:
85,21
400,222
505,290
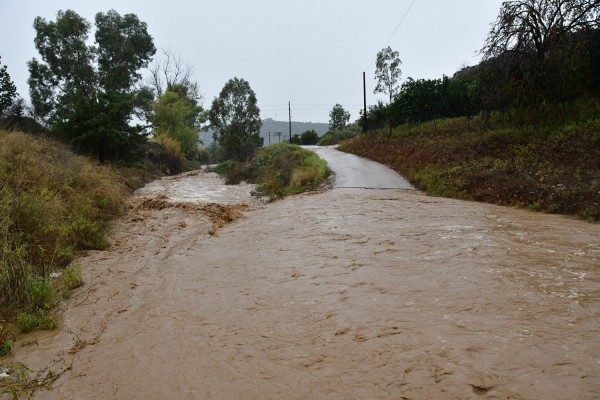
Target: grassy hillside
53,205
554,170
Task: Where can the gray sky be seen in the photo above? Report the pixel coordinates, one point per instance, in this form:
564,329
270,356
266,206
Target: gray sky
309,52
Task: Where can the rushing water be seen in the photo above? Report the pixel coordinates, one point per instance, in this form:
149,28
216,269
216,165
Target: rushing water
348,294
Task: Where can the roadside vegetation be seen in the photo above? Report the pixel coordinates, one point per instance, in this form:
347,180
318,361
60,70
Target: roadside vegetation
521,128
279,170
53,205
551,169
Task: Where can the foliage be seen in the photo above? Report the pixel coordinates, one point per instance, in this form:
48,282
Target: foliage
52,205
338,118
41,293
8,90
331,138
428,99
166,154
535,25
212,154
72,277
387,73
235,119
236,172
554,169
23,383
309,137
286,169
278,170
6,342
86,94
29,321
178,115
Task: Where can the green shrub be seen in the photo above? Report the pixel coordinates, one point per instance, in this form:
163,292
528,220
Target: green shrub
41,293
236,172
72,277
285,169
29,321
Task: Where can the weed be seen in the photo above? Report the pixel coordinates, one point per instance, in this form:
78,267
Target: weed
72,277
53,204
29,321
41,293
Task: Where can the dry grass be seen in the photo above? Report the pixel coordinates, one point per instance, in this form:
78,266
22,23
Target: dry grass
53,204
552,169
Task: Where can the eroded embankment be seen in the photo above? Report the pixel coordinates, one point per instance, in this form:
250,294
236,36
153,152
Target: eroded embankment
346,294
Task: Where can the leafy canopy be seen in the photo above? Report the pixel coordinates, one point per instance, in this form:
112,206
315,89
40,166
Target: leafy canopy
387,73
532,25
235,120
178,115
338,118
87,94
8,90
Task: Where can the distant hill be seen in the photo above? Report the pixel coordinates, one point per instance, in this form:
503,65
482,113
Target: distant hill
272,126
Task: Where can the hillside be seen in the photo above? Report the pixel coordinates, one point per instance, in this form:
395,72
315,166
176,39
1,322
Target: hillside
553,169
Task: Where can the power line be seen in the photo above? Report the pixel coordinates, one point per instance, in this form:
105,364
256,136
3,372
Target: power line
401,20
387,42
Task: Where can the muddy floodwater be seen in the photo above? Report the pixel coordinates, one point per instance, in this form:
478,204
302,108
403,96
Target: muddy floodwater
346,294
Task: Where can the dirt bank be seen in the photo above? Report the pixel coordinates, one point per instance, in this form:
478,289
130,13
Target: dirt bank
349,294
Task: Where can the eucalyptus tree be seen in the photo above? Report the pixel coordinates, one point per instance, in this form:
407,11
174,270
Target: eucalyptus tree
388,72
87,93
235,120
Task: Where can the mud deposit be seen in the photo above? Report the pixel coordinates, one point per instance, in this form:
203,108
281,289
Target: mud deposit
349,294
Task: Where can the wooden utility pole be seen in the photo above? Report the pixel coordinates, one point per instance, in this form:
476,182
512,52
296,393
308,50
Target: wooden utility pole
290,118
365,104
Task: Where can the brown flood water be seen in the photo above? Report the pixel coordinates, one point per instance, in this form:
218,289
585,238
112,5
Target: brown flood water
348,294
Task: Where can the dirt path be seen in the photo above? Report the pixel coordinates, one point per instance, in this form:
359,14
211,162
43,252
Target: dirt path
348,294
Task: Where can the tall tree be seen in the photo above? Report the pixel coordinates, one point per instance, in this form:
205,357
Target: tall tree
8,90
87,94
178,115
532,25
169,70
235,120
387,73
338,118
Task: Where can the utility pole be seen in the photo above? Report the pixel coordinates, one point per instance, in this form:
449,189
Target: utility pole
290,118
365,104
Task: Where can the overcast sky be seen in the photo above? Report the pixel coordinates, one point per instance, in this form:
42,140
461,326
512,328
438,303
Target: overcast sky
309,52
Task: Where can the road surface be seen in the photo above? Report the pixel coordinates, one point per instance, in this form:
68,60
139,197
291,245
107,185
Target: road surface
347,294
352,171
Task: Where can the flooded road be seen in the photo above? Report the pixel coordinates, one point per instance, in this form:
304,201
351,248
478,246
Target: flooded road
352,171
347,294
